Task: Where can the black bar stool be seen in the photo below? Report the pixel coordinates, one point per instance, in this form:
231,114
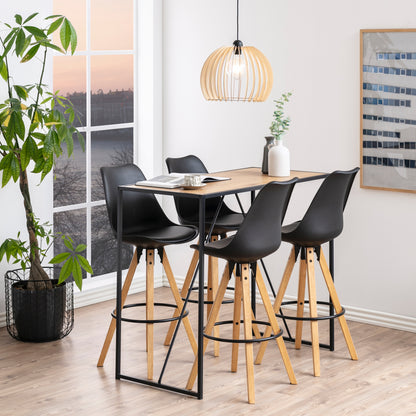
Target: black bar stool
258,236
322,222
146,227
226,220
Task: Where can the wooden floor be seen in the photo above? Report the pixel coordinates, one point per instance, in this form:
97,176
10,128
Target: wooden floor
61,378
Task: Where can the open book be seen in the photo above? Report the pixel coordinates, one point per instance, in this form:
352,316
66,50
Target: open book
177,180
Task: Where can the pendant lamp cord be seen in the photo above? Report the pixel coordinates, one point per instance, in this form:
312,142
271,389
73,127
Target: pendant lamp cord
238,24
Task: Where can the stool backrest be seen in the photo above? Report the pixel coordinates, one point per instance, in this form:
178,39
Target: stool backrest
260,233
323,221
140,210
189,207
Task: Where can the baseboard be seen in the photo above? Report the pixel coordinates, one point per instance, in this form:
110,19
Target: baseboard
108,291
366,316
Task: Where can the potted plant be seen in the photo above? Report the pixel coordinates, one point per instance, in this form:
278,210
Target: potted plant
35,124
278,156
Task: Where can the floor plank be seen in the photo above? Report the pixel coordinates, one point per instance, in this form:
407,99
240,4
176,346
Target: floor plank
61,378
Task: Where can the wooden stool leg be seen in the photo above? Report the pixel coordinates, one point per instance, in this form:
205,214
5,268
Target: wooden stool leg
247,311
212,290
275,327
337,306
184,292
278,301
175,292
236,325
211,322
313,311
301,302
124,292
150,260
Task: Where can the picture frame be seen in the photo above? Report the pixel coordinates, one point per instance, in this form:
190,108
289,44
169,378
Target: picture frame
388,109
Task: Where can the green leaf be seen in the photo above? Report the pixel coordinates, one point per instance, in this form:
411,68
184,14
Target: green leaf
48,143
80,248
3,70
16,122
81,140
54,25
10,35
85,264
15,168
18,19
59,258
39,164
74,40
31,53
21,91
53,16
8,165
20,42
69,144
47,167
39,33
68,244
66,270
65,34
25,155
54,47
30,17
9,44
77,273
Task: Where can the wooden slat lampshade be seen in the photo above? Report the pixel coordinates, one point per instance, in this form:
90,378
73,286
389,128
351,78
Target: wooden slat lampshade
236,73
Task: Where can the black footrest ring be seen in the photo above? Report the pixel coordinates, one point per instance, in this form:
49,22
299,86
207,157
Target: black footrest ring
307,318
243,341
150,321
209,302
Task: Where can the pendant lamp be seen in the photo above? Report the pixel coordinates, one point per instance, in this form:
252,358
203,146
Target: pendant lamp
236,73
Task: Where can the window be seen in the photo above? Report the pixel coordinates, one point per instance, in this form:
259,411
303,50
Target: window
99,80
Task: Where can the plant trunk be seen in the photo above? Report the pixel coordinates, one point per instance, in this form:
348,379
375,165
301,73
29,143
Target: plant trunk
38,276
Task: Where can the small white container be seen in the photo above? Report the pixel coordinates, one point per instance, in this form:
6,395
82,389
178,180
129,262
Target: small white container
279,160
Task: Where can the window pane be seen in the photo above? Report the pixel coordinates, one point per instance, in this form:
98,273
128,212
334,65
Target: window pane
104,244
75,11
112,25
109,147
69,77
111,89
69,186
72,224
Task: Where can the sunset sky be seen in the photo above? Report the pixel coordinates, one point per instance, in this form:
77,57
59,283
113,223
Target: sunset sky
111,29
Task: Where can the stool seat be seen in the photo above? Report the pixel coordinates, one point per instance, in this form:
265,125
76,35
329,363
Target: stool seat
160,236
227,220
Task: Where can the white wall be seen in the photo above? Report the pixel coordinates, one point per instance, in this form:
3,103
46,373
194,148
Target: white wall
314,51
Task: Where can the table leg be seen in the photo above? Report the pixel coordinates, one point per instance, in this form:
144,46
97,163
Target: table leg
201,298
119,279
331,307
253,277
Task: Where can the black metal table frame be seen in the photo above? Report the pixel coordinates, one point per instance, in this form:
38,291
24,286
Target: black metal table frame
200,270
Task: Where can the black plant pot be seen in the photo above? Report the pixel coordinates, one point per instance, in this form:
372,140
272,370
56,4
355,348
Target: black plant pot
38,315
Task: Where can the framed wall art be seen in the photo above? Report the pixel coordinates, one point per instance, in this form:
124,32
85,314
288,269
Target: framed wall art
388,109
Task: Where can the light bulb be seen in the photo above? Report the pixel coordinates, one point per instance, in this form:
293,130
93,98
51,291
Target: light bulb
236,66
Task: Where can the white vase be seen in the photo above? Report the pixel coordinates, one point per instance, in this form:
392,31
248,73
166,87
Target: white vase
279,160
